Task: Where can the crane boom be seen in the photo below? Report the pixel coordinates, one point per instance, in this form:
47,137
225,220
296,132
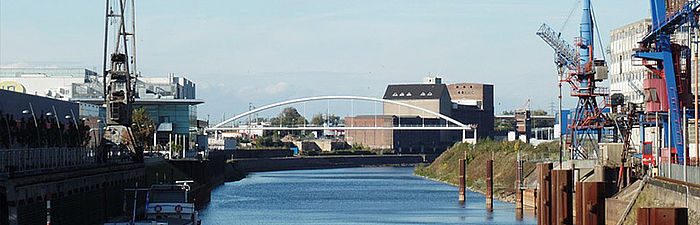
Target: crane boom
566,53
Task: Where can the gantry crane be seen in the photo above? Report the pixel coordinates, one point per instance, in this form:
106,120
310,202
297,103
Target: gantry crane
577,66
664,59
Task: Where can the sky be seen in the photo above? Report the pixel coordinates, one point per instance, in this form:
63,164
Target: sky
265,51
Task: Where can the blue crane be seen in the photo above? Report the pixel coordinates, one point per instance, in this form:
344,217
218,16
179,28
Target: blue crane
657,47
579,62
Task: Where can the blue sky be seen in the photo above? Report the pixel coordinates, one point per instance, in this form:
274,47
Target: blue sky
266,51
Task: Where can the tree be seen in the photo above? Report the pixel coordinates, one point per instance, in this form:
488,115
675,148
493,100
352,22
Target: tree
288,117
504,125
317,119
320,119
142,127
541,123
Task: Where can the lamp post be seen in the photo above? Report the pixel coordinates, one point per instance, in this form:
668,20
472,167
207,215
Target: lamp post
94,142
155,138
72,116
9,132
36,125
58,125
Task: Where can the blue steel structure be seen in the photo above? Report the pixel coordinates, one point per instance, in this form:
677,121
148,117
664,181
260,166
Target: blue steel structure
657,47
580,63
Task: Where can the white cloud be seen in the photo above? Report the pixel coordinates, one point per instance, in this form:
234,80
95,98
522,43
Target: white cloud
272,89
276,88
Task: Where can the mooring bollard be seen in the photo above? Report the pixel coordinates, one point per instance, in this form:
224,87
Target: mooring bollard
489,185
462,181
519,191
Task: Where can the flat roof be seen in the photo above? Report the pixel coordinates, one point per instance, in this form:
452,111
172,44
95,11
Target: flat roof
146,101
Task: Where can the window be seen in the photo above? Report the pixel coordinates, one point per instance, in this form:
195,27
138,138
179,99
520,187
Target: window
654,98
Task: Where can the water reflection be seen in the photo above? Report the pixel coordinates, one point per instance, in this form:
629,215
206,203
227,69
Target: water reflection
385,195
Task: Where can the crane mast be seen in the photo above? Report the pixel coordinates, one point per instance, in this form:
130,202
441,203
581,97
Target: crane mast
120,78
578,67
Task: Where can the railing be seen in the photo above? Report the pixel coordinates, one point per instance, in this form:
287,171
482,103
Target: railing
678,172
13,161
542,157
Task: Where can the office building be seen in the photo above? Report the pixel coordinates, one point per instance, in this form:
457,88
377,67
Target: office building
627,75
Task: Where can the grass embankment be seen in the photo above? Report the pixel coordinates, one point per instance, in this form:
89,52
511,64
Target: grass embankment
446,167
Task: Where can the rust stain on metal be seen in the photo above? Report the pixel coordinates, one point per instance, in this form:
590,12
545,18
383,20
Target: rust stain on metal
593,203
462,181
544,195
667,216
579,203
562,189
489,185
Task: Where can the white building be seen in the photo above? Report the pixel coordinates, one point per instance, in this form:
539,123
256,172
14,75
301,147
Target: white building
627,77
58,83
170,87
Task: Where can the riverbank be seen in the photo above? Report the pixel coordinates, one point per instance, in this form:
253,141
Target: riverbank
324,162
446,167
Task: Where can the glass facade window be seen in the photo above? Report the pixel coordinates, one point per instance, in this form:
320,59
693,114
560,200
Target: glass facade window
182,116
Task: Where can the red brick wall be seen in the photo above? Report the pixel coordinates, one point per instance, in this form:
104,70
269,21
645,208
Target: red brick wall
374,139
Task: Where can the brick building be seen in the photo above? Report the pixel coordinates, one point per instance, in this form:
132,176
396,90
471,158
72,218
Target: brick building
403,141
469,103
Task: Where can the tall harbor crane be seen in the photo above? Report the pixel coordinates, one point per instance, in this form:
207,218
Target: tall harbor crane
120,78
671,62
577,66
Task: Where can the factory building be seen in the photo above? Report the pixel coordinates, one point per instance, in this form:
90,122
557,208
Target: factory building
626,73
433,97
473,104
469,103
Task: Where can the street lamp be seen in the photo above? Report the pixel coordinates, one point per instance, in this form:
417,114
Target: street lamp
36,125
58,125
72,116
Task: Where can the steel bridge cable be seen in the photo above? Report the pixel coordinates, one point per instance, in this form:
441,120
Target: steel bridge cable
595,23
569,17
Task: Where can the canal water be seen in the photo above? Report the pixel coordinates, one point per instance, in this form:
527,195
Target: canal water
379,195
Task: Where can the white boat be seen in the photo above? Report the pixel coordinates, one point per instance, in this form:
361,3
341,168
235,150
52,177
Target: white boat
166,204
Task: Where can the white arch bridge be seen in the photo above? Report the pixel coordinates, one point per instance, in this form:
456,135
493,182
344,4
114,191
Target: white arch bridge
456,125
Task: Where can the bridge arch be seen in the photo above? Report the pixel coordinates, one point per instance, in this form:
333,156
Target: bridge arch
318,98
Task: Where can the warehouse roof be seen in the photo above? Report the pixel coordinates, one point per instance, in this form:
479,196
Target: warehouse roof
415,91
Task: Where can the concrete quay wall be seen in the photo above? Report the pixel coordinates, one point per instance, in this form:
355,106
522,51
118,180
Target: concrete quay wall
83,196
323,162
655,193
